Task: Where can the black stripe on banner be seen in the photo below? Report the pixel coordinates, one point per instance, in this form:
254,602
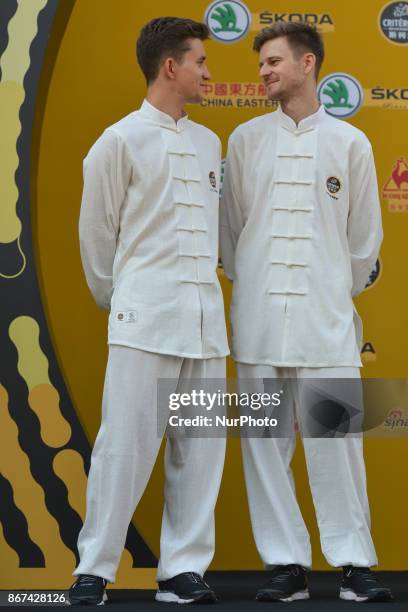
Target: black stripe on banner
15,529
7,10
21,296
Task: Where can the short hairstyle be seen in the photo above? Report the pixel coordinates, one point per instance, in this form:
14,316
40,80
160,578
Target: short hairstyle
302,38
164,37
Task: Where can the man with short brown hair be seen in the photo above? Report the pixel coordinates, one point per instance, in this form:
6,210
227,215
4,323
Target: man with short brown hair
149,247
300,234
300,37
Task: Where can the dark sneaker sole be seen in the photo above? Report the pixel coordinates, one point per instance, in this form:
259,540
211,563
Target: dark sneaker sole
350,595
271,596
171,597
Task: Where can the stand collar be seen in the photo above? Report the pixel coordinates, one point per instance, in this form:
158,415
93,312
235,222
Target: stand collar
157,116
307,123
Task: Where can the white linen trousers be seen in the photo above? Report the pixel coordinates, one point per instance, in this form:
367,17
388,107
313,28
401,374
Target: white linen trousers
337,480
123,458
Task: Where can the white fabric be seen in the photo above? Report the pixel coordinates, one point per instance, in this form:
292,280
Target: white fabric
337,480
123,458
296,252
149,234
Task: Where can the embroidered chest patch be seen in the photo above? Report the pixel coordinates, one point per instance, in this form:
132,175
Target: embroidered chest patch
333,186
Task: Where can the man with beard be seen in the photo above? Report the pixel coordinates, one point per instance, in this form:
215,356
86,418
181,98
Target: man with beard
300,234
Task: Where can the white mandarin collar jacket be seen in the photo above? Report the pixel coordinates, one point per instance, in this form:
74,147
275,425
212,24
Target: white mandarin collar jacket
149,234
300,234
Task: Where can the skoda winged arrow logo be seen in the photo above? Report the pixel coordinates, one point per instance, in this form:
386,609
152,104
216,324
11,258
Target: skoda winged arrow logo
226,17
338,92
228,20
341,94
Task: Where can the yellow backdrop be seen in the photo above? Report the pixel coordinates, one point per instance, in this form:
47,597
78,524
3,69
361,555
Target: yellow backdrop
95,81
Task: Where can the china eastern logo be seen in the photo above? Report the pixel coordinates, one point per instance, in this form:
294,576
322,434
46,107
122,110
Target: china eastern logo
228,20
341,94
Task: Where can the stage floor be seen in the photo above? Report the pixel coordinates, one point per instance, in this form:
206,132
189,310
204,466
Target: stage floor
236,591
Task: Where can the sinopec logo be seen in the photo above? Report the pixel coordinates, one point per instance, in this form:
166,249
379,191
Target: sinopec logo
396,418
393,22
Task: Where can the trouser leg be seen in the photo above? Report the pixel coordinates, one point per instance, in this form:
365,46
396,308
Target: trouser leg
193,468
123,456
279,530
338,483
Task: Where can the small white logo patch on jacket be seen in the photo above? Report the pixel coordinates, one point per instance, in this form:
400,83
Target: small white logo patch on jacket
213,181
127,316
